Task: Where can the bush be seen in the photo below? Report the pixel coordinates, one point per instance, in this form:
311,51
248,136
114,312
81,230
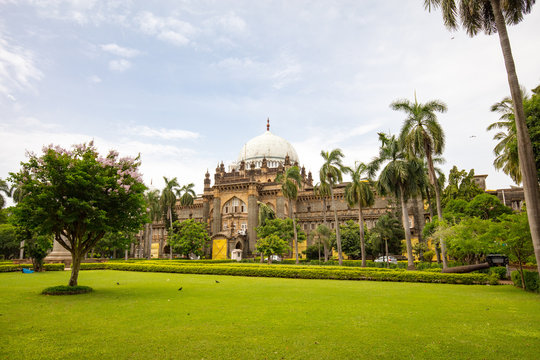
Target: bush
532,282
499,271
66,290
305,272
18,267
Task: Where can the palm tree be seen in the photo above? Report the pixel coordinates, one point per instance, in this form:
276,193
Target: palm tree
492,16
322,233
358,192
399,177
265,213
186,194
4,188
291,181
154,211
422,136
506,150
168,201
332,171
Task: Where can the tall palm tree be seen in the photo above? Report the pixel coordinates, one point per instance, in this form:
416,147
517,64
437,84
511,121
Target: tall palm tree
322,233
492,16
332,171
358,192
423,136
506,150
322,190
154,212
186,194
399,177
291,181
168,201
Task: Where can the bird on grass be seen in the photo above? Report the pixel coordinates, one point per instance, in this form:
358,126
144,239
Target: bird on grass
217,282
117,283
180,288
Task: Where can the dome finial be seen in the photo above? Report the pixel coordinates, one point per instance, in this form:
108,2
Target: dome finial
268,124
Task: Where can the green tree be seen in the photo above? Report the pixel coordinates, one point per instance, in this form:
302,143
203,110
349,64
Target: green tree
514,235
332,171
79,196
358,192
4,188
265,213
486,206
461,186
322,234
168,202
387,236
291,181
350,239
186,194
9,242
322,190
37,247
399,177
492,16
282,228
113,242
188,237
272,245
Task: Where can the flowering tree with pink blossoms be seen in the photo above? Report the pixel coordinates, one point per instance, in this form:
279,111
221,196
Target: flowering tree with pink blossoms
79,196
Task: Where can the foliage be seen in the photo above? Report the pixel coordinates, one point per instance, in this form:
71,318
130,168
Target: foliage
265,213
9,241
532,282
350,239
387,228
470,240
188,237
79,196
17,267
486,206
322,235
419,249
304,272
428,256
186,194
66,290
168,198
36,247
113,243
282,228
272,245
312,252
461,186
4,188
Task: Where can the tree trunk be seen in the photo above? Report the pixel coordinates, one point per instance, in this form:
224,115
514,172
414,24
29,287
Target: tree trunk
465,268
21,250
269,259
438,254
338,237
75,267
114,253
325,224
433,180
428,196
362,239
291,214
126,254
525,153
407,228
521,274
161,238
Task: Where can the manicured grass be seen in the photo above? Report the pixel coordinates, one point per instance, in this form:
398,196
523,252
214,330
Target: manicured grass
146,317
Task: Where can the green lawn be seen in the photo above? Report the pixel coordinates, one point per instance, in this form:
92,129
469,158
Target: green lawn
146,317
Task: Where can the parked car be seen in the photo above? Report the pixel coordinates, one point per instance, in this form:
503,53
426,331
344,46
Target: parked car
383,259
274,258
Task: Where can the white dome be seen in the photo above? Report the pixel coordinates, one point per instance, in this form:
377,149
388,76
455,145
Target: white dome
269,146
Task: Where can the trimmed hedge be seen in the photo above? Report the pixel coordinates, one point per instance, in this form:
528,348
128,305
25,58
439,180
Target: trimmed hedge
18,267
532,281
299,272
66,290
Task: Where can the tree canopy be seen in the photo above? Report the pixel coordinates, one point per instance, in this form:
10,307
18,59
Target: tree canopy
188,237
78,196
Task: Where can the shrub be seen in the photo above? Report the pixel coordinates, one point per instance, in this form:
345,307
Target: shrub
499,271
66,290
17,267
305,272
532,282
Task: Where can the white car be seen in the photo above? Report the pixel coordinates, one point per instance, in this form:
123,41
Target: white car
383,259
274,258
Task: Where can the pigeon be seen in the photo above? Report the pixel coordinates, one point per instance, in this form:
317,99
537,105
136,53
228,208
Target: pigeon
180,288
217,282
117,283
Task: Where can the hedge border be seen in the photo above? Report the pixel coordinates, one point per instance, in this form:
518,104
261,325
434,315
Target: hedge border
18,267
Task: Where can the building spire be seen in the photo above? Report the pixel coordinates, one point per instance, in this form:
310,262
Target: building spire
268,124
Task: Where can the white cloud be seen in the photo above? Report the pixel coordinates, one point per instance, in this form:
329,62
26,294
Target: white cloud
17,68
229,22
119,65
94,79
167,134
168,29
115,49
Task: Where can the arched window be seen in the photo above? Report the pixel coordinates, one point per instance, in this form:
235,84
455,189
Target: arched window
235,205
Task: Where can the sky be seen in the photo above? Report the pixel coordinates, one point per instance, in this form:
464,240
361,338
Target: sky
186,84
